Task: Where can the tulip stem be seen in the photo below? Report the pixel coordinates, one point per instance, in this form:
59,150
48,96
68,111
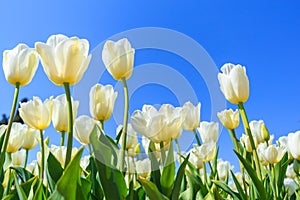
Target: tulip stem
102,125
179,152
43,155
204,173
70,119
248,132
162,151
26,158
197,137
62,139
11,118
125,122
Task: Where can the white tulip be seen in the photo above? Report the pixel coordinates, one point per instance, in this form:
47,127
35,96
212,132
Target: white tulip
36,114
30,139
245,140
118,58
273,154
18,157
16,138
84,162
209,131
60,153
223,168
131,138
290,172
102,101
83,127
234,83
20,64
206,152
291,185
194,159
60,112
293,144
191,116
229,118
143,167
64,59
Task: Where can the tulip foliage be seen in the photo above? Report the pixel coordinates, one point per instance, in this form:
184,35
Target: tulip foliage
125,167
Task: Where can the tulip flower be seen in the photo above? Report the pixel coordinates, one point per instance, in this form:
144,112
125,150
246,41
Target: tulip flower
234,83
64,59
30,139
246,142
293,144
83,128
223,168
102,100
36,114
290,172
16,138
143,167
60,153
291,185
206,152
131,139
20,64
229,118
273,154
198,163
256,130
191,115
84,162
60,112
18,157
209,131
118,58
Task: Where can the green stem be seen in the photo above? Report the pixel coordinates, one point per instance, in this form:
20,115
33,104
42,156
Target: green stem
102,125
43,155
62,139
125,122
197,137
275,184
70,119
26,159
204,172
163,153
248,132
11,118
179,152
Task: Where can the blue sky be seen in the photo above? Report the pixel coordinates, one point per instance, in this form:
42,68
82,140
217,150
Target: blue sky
262,35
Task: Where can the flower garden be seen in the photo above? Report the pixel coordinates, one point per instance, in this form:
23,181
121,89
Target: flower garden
114,168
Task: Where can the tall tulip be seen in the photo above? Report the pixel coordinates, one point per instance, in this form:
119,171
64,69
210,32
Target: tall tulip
293,144
37,115
132,144
209,131
102,100
64,61
118,58
19,66
143,167
83,128
229,118
18,157
191,115
15,142
234,83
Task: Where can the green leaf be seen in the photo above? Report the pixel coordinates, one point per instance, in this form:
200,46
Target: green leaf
280,171
238,187
168,173
119,135
178,180
252,173
96,187
20,191
111,178
22,173
54,167
227,189
66,186
151,190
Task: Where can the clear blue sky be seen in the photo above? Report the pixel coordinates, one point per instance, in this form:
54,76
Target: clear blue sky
262,35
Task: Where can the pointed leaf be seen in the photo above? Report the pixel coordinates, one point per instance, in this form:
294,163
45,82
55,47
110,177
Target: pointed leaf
151,190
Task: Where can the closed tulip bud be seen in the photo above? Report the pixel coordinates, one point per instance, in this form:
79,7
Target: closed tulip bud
36,114
290,172
234,83
265,132
118,58
191,115
245,140
18,157
293,144
229,118
30,139
143,167
102,101
20,64
16,138
256,130
223,168
83,127
64,59
60,112
206,152
209,131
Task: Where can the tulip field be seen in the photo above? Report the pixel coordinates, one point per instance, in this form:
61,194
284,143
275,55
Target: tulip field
124,167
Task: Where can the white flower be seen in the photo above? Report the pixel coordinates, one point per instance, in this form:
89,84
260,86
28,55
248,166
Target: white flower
223,168
229,118
195,160
291,185
60,112
30,138
131,138
64,59
209,131
191,116
18,157
234,83
143,167
84,162
20,64
206,152
273,154
118,58
293,144
83,127
16,138
290,173
255,127
245,140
